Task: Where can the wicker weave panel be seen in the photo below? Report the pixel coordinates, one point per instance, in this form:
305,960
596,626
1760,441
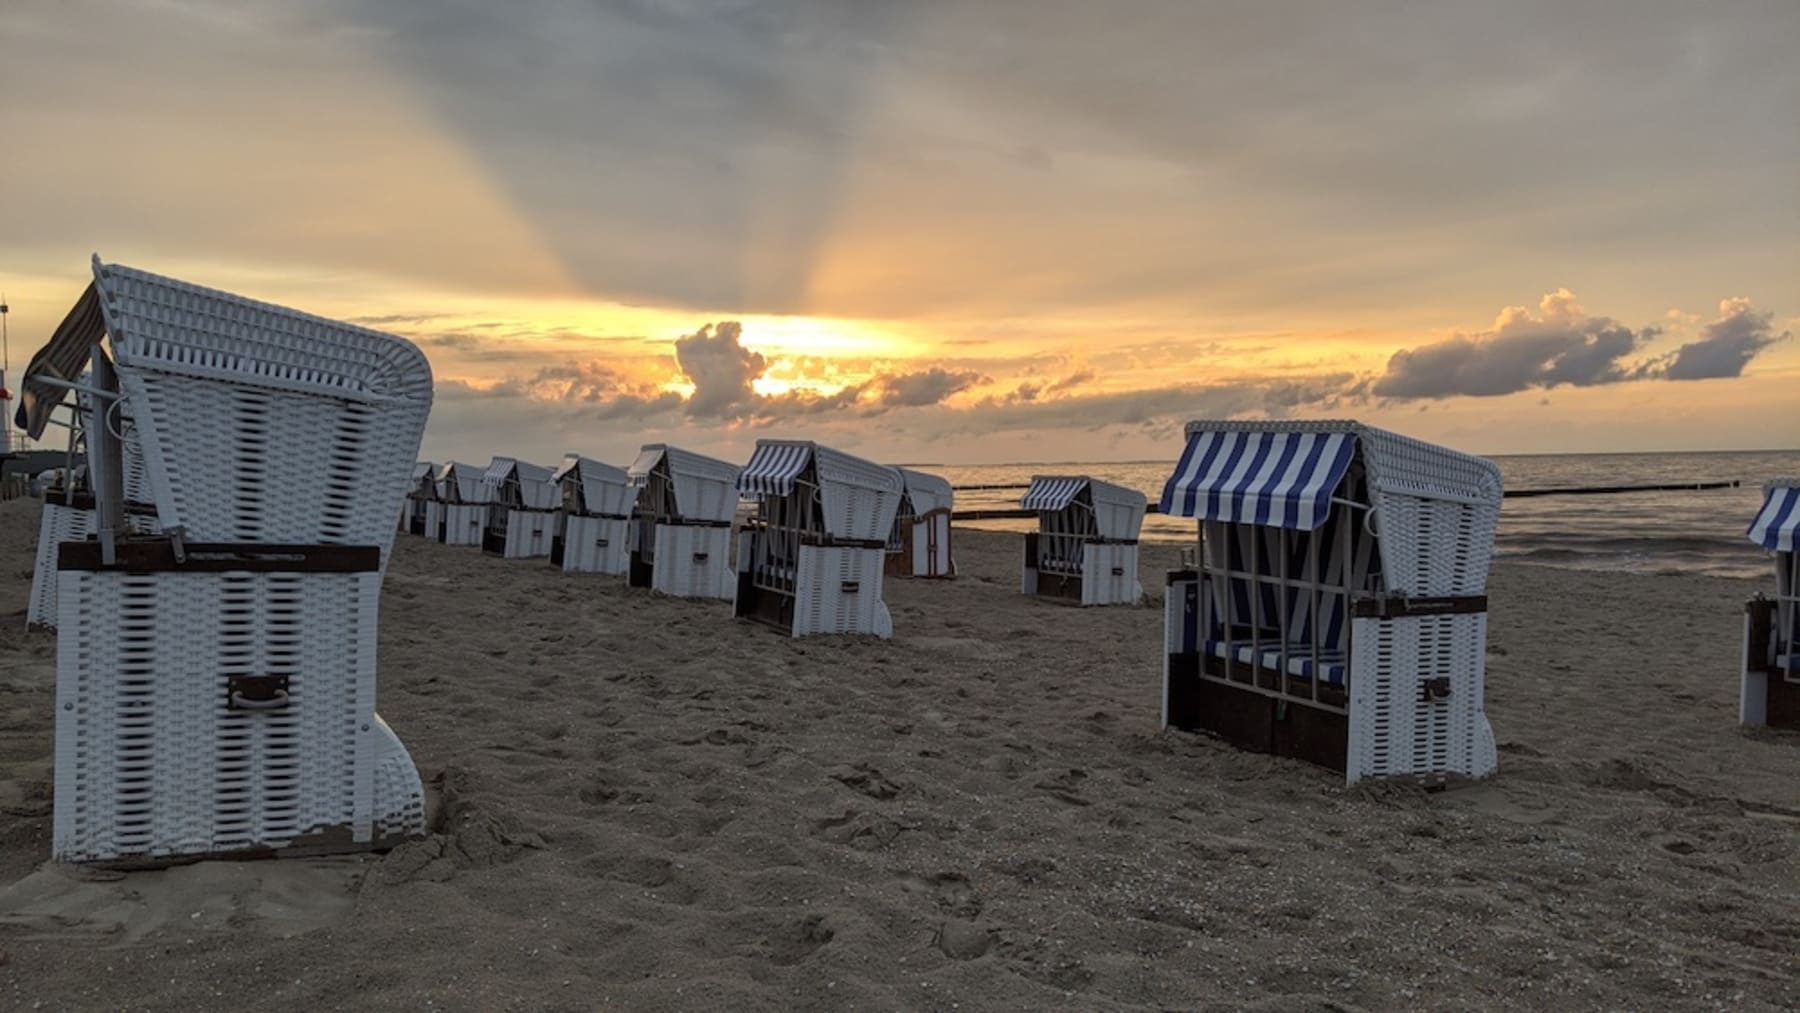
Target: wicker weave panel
529,533
693,562
1395,729
1100,585
229,462
596,545
838,590
161,323
58,524
153,762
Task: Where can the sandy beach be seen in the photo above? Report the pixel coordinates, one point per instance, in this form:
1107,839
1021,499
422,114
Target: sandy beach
641,803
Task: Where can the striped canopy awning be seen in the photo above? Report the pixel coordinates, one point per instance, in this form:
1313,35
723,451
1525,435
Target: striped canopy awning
63,357
1778,520
1275,479
773,468
1049,492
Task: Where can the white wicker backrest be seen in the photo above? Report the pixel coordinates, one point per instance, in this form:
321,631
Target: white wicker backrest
860,497
928,492
705,487
260,423
604,488
1118,511
1436,512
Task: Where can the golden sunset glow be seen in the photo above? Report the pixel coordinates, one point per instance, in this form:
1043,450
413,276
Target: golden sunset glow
640,230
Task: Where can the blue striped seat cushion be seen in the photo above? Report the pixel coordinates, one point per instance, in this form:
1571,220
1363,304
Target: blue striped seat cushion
1300,662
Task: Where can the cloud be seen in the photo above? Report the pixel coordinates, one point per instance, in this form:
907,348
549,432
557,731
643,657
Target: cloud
1560,344
1726,345
928,387
589,388
721,369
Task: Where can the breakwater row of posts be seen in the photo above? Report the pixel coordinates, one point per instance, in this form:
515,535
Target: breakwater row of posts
1014,513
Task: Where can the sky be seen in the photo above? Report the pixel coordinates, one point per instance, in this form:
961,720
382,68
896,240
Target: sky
932,231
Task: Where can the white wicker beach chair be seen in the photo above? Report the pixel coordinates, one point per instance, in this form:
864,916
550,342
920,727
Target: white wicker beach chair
919,545
681,516
524,509
596,517
811,560
1770,685
1337,611
423,514
1085,549
216,681
464,493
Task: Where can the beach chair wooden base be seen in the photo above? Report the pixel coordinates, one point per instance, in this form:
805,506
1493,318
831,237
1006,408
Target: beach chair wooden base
1770,685
1236,711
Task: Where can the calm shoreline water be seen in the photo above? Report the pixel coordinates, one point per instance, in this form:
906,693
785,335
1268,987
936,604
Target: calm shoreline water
1686,531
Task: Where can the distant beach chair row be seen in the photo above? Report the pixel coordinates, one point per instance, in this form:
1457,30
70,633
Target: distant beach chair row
827,527
213,568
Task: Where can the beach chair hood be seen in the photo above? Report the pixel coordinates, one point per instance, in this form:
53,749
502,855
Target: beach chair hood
859,497
605,489
1285,474
1776,523
705,487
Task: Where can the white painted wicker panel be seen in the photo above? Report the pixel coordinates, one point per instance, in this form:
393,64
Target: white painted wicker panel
151,762
1395,731
595,545
434,518
821,603
529,533
1434,547
399,797
463,523
704,498
859,511
1118,511
1100,585
230,462
693,562
58,524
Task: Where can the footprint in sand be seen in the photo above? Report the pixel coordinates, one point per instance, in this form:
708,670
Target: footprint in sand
868,780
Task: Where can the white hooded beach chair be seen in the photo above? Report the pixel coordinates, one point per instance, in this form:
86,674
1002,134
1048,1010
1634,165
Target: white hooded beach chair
463,494
919,544
681,518
811,559
596,517
1770,688
1337,608
216,681
1085,549
524,509
423,513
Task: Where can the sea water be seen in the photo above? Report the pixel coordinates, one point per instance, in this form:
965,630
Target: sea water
1686,531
